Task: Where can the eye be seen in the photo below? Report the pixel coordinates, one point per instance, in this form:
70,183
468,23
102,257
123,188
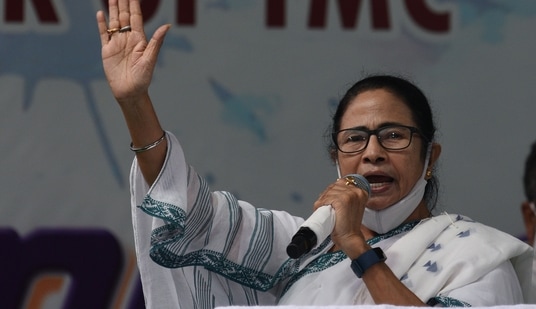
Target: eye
394,134
356,137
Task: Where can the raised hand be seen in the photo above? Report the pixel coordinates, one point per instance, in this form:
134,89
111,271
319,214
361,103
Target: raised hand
128,58
129,61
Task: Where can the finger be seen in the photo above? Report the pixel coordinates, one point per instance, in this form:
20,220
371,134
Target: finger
154,45
113,11
136,16
124,13
101,24
350,184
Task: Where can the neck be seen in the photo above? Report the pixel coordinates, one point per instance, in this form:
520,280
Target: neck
421,212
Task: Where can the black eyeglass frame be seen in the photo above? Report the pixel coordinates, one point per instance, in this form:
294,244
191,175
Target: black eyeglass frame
413,130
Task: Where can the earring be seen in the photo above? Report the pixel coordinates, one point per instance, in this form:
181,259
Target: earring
428,174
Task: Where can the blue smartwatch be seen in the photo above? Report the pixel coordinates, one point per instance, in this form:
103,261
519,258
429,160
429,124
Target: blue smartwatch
366,260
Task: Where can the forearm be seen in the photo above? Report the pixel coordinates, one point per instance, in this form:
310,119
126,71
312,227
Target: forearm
382,284
144,128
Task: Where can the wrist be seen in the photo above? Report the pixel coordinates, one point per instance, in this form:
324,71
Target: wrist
133,100
366,260
354,246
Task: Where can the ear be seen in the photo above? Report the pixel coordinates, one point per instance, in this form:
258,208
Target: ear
434,155
529,220
334,155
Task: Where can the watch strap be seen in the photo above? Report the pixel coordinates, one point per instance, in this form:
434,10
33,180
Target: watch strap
366,260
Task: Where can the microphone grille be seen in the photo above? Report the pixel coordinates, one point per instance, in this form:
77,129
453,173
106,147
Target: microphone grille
360,182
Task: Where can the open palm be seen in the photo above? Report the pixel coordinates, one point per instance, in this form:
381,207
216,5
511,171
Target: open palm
128,58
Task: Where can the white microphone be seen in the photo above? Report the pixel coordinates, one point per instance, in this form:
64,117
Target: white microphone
320,224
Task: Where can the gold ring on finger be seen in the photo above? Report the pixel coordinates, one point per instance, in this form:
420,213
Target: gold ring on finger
350,181
112,30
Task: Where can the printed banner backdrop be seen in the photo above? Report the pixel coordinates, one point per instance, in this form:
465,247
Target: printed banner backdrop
248,87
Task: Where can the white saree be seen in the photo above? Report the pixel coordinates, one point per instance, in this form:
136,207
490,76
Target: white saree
202,249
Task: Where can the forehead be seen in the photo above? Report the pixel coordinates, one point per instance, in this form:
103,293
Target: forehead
373,108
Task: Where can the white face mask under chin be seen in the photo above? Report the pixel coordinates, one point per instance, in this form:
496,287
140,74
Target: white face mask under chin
382,221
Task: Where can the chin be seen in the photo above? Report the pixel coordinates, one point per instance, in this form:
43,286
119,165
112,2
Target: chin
381,202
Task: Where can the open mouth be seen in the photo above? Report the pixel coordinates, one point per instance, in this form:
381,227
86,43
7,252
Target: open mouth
379,181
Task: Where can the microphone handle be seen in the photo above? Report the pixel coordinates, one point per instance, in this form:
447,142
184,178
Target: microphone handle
318,226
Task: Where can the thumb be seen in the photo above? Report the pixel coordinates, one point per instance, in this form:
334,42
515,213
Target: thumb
154,45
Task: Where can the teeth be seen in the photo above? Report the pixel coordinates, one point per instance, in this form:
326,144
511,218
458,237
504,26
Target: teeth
377,184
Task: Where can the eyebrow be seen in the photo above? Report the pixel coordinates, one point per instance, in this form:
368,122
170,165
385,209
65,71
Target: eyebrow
382,125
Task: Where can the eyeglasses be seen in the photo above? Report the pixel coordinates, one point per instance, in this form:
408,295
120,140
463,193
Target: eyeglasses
393,137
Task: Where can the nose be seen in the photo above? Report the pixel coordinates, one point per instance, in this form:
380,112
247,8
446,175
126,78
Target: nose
374,152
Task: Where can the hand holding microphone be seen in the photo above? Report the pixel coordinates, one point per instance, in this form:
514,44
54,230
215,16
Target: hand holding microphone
321,223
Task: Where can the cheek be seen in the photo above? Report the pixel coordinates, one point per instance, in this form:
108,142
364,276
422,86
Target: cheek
348,165
409,170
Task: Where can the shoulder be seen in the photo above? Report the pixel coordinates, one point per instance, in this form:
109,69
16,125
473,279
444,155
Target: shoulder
475,238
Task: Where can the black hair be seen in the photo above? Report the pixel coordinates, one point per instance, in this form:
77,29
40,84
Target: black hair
529,177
